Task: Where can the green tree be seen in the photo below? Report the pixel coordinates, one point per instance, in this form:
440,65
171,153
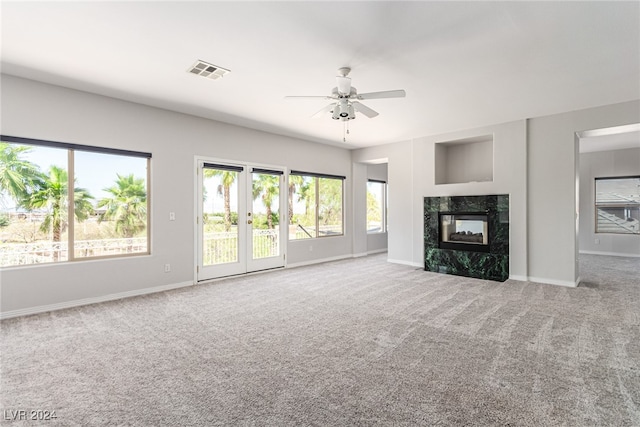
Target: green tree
52,195
374,211
267,187
227,178
19,178
127,206
330,201
295,183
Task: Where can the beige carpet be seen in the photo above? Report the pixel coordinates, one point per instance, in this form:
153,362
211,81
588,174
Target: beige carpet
355,342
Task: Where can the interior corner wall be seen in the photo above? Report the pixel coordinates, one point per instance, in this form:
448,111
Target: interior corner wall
400,200
551,164
603,164
36,110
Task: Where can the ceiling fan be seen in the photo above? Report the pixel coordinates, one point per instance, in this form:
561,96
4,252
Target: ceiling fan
346,99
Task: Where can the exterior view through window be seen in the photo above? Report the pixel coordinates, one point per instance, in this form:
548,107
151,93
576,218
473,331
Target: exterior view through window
618,205
376,206
315,205
42,221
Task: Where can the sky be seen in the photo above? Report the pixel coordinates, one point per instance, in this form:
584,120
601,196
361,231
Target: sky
93,171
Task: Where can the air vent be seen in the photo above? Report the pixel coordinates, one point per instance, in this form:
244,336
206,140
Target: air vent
207,70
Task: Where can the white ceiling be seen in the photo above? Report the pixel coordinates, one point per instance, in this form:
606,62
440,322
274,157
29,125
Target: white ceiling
462,64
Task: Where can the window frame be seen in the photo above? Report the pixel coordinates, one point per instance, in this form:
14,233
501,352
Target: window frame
383,227
71,148
316,180
597,205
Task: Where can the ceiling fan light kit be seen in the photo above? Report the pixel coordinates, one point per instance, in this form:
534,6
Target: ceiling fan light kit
346,99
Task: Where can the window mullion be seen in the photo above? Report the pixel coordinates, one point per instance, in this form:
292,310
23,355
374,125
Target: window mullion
316,179
70,208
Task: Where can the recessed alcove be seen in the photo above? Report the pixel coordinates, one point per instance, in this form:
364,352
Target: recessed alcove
464,160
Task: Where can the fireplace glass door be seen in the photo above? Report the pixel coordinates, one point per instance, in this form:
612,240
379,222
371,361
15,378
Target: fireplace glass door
464,231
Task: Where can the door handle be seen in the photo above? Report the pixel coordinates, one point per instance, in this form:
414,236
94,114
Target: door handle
249,222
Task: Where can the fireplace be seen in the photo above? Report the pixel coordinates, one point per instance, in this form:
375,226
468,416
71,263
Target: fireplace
482,251
464,231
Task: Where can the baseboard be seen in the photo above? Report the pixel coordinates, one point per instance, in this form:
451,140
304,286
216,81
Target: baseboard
403,262
376,251
518,278
94,300
610,254
359,255
554,282
319,261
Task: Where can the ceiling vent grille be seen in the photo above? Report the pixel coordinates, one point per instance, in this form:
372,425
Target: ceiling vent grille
207,70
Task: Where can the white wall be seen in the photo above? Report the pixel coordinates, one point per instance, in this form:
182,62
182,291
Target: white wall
36,110
552,159
599,165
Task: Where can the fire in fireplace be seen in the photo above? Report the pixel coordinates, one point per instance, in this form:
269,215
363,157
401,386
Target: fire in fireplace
465,231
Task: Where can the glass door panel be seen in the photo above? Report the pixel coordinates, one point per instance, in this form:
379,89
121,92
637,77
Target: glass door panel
220,234
239,210
265,224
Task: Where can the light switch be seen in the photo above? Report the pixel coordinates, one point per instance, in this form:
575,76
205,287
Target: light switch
172,216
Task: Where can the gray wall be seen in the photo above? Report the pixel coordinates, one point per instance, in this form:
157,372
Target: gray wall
605,164
36,110
552,164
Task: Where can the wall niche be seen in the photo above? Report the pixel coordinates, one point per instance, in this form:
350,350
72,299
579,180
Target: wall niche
464,160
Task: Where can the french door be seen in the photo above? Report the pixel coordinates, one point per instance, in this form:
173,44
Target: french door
241,223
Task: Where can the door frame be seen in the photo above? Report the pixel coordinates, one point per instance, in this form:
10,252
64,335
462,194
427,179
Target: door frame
248,168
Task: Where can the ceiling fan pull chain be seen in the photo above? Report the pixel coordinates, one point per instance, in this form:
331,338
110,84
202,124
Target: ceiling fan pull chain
344,131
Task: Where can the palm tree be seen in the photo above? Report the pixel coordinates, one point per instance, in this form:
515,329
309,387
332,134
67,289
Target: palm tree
18,177
127,206
52,195
228,178
295,182
267,187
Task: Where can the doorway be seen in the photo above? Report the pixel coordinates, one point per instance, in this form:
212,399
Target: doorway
238,218
608,192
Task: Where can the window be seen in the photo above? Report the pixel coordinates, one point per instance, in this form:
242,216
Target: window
618,205
41,221
315,205
376,206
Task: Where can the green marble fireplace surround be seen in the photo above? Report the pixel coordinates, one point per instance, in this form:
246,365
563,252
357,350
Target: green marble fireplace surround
489,262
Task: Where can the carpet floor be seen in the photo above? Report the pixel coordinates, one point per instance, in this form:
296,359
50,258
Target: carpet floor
347,343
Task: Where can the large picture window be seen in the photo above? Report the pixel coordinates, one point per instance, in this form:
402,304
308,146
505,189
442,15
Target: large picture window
376,206
315,205
42,220
617,205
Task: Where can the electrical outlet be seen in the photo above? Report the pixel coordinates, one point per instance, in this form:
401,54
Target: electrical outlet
172,216
310,248
597,241
167,268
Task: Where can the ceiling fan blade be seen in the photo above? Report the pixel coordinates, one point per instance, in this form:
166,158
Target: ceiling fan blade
385,94
324,111
309,97
344,85
361,108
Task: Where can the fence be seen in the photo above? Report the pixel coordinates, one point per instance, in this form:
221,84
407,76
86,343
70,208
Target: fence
43,252
220,248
